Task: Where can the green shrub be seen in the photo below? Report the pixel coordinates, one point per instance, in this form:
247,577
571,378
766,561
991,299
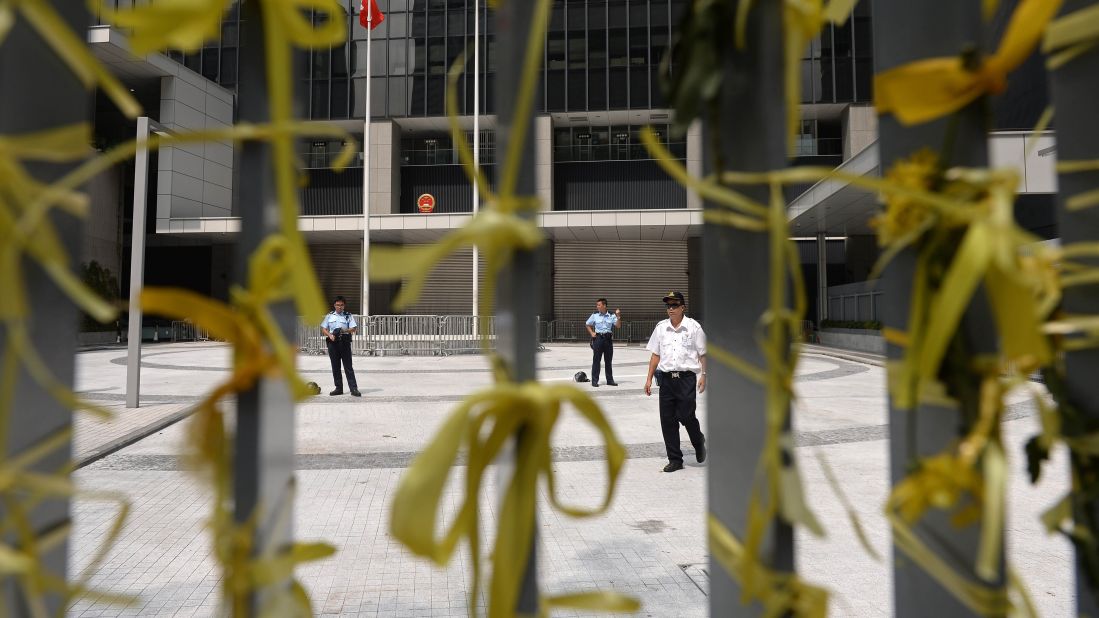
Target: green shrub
854,324
103,283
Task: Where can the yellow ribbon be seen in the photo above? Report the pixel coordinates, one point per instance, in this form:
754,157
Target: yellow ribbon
1071,35
927,89
1087,199
780,594
484,423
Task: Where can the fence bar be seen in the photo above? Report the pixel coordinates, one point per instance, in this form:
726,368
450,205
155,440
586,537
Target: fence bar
137,267
822,277
518,292
752,138
900,36
1074,89
31,103
264,449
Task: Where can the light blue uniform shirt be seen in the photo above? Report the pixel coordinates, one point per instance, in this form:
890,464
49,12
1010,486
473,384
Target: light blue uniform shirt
343,321
603,322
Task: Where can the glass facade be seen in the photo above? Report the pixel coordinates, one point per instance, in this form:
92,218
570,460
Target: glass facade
599,55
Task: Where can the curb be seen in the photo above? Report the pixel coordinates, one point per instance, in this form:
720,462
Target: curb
136,435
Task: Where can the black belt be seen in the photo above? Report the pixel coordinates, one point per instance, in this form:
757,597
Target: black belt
603,335
676,374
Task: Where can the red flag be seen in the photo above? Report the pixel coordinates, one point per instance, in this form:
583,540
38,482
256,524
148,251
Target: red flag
373,12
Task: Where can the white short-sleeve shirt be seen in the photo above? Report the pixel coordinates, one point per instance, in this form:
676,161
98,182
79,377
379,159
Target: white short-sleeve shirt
679,349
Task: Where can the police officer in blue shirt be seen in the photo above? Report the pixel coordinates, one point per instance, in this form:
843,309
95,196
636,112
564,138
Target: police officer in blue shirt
338,327
601,327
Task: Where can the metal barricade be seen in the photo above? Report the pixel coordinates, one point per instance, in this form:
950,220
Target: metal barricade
570,330
404,334
310,339
183,330
461,334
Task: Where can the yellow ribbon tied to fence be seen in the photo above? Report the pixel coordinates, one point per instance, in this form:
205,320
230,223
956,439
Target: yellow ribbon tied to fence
927,89
484,424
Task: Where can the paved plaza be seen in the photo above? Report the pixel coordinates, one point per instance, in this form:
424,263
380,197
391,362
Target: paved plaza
352,453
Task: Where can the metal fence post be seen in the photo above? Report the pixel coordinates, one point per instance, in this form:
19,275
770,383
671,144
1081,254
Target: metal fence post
900,36
1072,87
752,138
518,296
137,267
263,464
31,103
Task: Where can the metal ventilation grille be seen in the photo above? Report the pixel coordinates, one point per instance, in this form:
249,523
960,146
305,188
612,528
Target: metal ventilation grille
339,269
449,288
632,275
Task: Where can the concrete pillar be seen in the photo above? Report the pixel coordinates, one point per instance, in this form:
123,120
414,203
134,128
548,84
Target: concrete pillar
822,278
543,153
694,165
385,181
860,129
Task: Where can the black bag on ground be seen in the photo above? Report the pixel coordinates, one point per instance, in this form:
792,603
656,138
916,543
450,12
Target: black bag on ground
581,377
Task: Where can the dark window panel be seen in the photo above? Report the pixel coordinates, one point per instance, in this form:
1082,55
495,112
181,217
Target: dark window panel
456,23
228,66
319,107
639,87
555,91
575,14
864,79
455,45
842,41
436,56
658,14
436,95
419,22
210,63
193,62
597,89
555,50
420,60
656,94
339,65
618,13
436,23
419,95
597,49
399,103
845,83
339,99
639,13
395,5
228,34
557,18
619,51
639,47
619,89
577,91
577,49
597,15
320,63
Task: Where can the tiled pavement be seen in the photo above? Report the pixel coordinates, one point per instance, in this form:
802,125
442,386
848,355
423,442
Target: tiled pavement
651,543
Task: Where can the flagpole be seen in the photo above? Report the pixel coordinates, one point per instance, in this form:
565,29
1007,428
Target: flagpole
365,309
476,142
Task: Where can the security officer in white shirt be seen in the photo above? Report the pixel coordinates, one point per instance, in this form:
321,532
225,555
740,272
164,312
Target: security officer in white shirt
338,327
601,327
678,346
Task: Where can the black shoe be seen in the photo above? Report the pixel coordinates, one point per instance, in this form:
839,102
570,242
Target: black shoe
355,393
611,383
700,452
595,384
338,391
673,466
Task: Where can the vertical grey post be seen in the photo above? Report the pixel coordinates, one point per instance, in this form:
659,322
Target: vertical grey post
518,292
900,37
1073,88
752,138
264,450
137,267
822,278
31,103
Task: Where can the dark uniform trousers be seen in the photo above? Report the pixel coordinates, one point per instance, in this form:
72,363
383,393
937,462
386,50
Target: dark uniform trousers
340,350
677,405
602,348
